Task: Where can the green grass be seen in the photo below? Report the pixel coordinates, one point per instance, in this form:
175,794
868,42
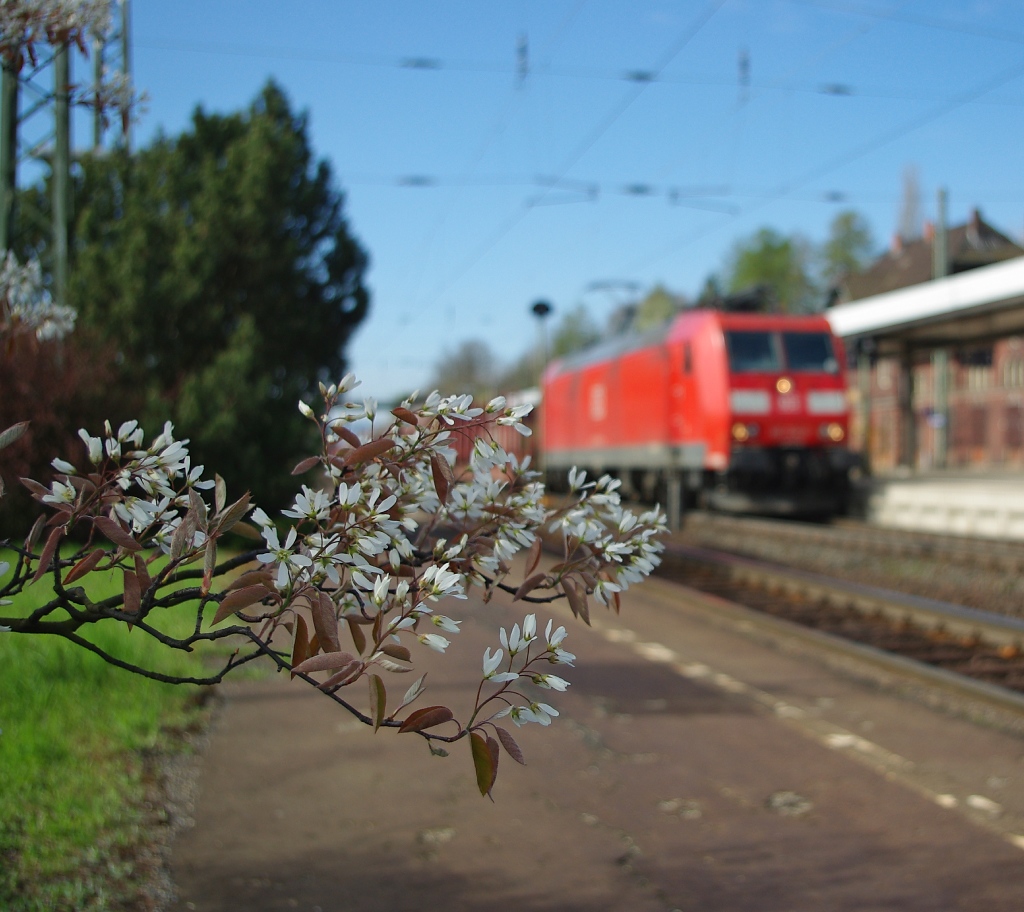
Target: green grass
75,732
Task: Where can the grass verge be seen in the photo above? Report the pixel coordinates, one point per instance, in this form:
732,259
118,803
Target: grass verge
74,737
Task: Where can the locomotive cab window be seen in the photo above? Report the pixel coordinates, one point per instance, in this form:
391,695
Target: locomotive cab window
752,351
809,351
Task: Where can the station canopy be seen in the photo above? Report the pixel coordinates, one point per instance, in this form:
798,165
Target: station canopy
979,305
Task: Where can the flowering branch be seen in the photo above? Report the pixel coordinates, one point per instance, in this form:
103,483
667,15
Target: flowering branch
387,529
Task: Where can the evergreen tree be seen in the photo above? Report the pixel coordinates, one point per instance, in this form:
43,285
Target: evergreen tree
220,268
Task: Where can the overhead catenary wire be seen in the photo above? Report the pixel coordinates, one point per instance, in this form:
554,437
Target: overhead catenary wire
859,151
578,151
491,135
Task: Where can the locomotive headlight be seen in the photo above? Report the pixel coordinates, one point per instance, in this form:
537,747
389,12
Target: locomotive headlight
742,432
783,385
833,431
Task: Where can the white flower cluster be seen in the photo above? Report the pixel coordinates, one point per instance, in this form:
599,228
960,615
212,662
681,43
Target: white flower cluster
114,92
26,306
24,22
154,483
627,543
519,666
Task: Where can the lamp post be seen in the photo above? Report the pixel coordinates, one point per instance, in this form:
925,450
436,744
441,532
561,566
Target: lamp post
542,310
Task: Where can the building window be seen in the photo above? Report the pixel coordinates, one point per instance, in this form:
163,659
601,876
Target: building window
976,364
1013,373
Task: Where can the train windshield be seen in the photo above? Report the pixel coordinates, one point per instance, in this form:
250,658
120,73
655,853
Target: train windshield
809,351
752,351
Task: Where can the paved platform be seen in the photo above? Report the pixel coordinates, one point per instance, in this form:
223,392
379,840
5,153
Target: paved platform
985,505
694,767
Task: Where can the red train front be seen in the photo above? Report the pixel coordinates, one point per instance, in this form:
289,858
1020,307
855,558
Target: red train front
736,411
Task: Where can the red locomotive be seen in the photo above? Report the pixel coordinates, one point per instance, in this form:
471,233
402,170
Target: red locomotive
732,411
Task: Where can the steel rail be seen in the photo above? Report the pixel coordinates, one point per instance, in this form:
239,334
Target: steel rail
995,553
927,614
997,629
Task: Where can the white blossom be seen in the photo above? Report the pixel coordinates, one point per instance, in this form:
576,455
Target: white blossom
550,682
24,302
435,641
446,623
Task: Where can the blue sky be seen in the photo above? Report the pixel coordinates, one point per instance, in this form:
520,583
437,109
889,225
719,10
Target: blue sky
628,151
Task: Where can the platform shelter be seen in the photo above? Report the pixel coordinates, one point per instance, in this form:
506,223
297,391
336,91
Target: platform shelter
937,367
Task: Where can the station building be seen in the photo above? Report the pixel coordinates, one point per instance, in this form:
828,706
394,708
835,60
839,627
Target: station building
934,331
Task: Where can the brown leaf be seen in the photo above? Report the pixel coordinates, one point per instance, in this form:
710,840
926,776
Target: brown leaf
239,599
414,692
305,465
509,743
529,585
403,414
444,477
388,665
425,718
577,602
358,637
197,507
533,555
300,643
112,530
325,621
314,645
396,651
35,487
250,578
347,675
209,565
348,436
84,566
132,593
326,661
485,761
370,450
142,572
15,431
49,549
35,532
378,700
220,493
229,518
183,534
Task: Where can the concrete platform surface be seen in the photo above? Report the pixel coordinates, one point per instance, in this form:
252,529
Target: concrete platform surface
693,767
985,505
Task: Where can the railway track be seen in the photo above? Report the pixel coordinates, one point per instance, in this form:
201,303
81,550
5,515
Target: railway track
994,554
978,653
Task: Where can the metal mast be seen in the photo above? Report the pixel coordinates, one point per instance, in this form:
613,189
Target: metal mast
35,126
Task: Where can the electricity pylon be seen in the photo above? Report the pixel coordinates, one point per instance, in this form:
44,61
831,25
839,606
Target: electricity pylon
36,96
